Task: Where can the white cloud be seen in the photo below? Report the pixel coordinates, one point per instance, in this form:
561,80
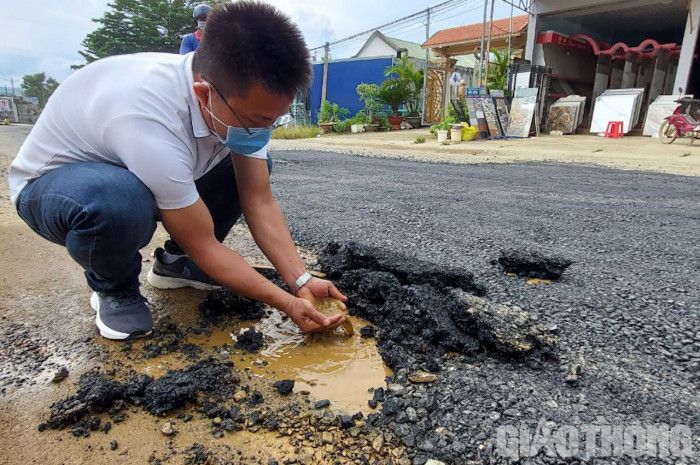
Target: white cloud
46,35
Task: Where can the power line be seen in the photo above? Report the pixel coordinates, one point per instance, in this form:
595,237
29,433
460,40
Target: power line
434,17
523,5
439,20
400,27
419,14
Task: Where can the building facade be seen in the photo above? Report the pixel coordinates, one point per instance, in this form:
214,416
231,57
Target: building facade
629,24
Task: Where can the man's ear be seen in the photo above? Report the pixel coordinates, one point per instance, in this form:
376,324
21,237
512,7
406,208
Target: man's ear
201,91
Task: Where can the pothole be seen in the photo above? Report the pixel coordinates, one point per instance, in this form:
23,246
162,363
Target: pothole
533,265
340,368
426,319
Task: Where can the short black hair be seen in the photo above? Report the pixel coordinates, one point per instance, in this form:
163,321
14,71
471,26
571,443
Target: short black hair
250,41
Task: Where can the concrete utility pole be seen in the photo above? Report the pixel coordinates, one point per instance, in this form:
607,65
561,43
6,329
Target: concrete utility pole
12,83
488,46
427,66
481,50
427,33
510,34
324,87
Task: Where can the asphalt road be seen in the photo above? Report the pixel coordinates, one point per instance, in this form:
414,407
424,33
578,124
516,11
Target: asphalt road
628,307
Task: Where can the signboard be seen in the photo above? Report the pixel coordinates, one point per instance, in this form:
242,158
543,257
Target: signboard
551,37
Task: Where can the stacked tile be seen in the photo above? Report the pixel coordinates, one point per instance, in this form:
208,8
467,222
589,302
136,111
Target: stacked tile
566,114
617,105
522,111
663,106
500,98
491,117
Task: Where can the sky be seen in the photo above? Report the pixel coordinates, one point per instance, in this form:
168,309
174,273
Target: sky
46,35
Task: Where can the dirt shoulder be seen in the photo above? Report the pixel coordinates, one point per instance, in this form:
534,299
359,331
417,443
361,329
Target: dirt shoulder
630,153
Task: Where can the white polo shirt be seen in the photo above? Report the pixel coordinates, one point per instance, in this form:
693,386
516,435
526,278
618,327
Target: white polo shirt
137,111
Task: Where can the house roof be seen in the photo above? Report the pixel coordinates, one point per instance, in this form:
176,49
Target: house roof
472,32
414,49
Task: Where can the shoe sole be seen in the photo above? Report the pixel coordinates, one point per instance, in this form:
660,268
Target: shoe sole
106,331
166,282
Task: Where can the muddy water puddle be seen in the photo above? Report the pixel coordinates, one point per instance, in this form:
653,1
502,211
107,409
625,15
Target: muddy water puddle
330,366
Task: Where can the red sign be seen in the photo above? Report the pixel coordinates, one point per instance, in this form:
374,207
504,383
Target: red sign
551,37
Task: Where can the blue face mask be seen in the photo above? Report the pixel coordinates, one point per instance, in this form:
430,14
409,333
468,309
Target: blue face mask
238,140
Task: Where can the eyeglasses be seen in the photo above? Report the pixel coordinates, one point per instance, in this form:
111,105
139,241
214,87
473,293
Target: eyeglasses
240,120
274,125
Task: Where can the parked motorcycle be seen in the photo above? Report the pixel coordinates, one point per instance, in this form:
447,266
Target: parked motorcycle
682,123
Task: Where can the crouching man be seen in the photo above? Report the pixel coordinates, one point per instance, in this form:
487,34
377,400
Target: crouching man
131,140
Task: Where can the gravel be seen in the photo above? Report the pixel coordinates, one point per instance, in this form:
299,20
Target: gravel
625,310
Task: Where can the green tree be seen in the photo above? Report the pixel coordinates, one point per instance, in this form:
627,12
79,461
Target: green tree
37,85
405,70
130,26
51,85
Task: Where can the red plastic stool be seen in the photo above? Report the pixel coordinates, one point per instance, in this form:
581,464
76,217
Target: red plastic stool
614,130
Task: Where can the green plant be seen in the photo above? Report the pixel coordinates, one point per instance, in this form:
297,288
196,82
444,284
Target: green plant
406,71
369,95
295,132
498,70
383,120
444,125
393,92
331,112
359,118
342,126
419,140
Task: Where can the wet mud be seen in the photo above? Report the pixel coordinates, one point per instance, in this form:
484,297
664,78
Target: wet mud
26,359
246,368
250,341
98,393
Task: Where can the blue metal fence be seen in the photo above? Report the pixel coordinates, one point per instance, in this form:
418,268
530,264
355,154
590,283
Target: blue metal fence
343,78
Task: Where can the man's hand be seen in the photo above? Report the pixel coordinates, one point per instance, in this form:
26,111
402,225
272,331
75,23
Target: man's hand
310,320
317,287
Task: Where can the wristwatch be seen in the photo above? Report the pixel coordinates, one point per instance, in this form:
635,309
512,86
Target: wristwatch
301,280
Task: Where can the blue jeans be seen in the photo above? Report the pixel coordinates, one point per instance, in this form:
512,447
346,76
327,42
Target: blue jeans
103,214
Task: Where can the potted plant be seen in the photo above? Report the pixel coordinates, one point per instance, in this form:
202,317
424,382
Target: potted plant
394,92
405,71
443,128
330,114
369,95
358,122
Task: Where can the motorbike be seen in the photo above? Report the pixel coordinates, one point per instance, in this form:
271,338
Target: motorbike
682,123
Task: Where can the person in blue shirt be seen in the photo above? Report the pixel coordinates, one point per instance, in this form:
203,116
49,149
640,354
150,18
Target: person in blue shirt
191,41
